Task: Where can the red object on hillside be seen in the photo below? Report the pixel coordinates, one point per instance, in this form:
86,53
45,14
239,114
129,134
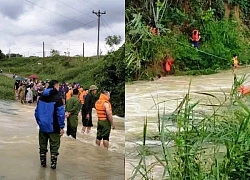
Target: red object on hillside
33,76
169,63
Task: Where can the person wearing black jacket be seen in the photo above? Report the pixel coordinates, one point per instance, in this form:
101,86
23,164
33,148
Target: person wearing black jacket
89,103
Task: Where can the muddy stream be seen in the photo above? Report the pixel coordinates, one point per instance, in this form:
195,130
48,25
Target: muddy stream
78,159
139,99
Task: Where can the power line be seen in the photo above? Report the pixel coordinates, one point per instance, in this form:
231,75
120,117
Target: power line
98,14
60,34
54,12
93,4
105,28
107,35
59,39
108,25
35,31
75,9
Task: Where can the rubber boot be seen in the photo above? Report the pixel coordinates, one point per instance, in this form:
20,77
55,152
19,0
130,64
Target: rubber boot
43,160
53,161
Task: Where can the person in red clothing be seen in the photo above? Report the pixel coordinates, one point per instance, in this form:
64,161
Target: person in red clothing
195,38
168,64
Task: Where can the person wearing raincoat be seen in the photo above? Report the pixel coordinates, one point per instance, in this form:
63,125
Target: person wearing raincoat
21,93
73,107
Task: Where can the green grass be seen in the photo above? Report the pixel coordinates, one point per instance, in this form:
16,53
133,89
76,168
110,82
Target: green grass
107,72
213,145
6,88
61,68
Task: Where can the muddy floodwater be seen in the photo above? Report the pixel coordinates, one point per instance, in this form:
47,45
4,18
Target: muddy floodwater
140,97
78,159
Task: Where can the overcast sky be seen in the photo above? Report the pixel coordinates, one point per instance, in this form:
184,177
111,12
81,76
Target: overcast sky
62,25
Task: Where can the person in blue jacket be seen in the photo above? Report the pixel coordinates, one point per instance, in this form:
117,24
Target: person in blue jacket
50,116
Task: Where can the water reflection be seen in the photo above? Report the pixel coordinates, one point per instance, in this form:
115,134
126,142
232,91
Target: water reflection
78,159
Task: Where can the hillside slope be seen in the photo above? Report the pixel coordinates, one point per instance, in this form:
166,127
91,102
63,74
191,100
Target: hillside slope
224,28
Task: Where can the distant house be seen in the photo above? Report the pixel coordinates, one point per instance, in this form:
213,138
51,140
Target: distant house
13,55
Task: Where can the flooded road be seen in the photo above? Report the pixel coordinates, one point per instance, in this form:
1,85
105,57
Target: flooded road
141,96
78,159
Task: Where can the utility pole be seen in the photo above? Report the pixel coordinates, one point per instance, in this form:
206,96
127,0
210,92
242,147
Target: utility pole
43,50
43,58
99,13
82,50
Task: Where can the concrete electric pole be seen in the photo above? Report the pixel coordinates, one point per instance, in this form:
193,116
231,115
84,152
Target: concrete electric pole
99,13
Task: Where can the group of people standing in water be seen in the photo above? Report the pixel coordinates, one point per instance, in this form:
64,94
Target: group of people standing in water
56,102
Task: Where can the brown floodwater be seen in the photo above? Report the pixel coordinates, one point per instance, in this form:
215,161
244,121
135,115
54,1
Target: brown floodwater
78,159
141,96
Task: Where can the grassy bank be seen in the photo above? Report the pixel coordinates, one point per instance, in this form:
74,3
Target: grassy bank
61,68
107,72
6,88
211,145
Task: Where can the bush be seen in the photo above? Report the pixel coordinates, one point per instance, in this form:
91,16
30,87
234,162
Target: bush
111,76
6,88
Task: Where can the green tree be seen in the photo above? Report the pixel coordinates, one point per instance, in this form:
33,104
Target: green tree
2,55
111,76
112,41
54,52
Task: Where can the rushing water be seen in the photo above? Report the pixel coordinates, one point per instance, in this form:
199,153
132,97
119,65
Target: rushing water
78,159
141,96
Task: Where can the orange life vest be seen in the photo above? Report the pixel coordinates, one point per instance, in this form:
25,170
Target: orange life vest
82,95
195,37
69,95
100,109
169,63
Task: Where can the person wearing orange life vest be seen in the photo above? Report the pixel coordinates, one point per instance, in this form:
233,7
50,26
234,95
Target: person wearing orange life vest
69,94
168,64
80,91
82,94
105,119
195,38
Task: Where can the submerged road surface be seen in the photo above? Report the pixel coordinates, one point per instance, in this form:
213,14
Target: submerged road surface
78,159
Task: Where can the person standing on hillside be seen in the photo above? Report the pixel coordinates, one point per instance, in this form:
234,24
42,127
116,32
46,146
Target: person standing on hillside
50,115
73,108
195,37
89,102
105,119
